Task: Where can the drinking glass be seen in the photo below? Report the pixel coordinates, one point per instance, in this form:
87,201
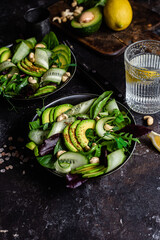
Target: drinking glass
142,70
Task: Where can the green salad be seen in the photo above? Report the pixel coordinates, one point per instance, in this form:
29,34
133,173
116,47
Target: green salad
30,69
85,139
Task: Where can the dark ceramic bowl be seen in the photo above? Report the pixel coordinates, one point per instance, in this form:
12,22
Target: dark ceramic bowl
75,99
71,69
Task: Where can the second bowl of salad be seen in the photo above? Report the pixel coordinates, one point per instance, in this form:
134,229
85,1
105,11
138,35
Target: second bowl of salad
31,69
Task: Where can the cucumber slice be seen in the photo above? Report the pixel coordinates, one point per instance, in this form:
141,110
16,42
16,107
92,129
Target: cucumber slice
62,167
74,159
112,105
21,52
58,127
115,159
37,135
100,128
41,58
82,107
53,75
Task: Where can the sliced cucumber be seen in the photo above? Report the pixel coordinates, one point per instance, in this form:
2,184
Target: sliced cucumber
21,52
112,105
82,107
37,135
58,127
100,129
74,159
115,159
41,58
53,75
62,167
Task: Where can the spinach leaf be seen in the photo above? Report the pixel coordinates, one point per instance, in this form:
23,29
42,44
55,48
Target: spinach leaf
50,40
46,161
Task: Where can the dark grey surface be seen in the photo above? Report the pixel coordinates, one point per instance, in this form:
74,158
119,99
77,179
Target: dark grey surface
37,205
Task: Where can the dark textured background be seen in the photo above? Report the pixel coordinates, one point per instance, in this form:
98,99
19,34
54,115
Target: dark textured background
36,205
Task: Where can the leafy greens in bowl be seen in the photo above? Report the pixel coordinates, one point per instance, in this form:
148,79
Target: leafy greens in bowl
82,135
30,70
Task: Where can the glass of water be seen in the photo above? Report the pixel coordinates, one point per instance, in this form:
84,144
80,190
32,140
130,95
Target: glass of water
142,69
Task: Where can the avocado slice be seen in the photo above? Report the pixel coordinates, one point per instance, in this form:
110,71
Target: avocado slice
81,131
72,134
94,174
61,109
67,140
87,28
26,70
2,49
44,90
46,115
51,115
31,145
65,54
5,55
32,66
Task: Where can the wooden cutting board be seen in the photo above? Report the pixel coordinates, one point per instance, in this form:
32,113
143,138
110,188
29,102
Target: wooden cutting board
109,42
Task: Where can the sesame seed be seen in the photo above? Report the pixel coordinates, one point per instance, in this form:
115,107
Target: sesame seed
13,154
23,172
11,148
2,170
7,158
10,166
4,145
3,154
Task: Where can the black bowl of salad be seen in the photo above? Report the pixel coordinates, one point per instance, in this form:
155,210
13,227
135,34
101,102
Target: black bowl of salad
32,70
83,135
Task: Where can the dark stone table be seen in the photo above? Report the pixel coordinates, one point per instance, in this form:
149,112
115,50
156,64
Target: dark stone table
35,205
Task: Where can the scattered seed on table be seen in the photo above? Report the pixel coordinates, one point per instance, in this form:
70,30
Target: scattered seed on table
1,161
11,148
23,173
8,154
0,155
10,139
2,170
7,158
7,167
10,166
1,149
3,154
4,145
13,154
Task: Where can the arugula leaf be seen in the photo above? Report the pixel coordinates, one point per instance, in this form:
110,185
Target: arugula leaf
50,40
40,111
35,124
